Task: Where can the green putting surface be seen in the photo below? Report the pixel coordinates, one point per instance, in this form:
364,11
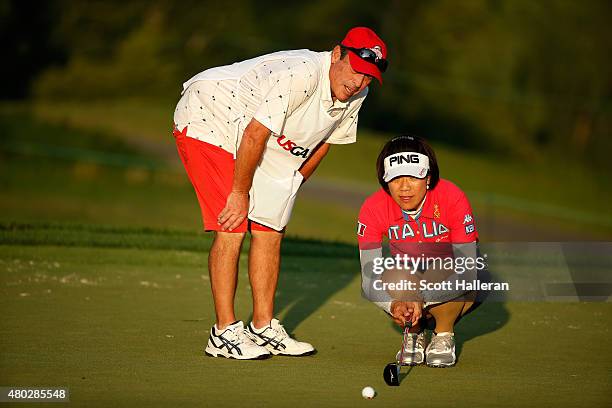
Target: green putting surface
125,324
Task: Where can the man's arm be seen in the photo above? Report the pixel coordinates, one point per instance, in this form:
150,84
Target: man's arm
249,154
311,164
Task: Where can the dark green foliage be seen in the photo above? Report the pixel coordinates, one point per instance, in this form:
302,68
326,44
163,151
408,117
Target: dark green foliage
516,77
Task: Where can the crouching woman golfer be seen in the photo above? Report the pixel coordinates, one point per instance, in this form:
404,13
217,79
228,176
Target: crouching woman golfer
429,226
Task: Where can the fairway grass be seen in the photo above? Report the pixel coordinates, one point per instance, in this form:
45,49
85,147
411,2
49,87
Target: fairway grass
121,316
88,176
538,186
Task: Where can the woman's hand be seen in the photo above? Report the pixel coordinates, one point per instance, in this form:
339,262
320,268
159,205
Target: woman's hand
403,312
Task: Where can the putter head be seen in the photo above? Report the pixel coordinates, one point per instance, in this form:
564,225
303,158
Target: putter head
391,374
392,370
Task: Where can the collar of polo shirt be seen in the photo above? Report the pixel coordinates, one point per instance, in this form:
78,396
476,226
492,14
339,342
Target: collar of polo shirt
326,97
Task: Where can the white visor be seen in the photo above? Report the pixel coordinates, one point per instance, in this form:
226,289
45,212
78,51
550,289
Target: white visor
406,164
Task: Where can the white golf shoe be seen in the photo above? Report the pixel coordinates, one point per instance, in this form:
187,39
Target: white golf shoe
414,351
441,351
274,338
232,342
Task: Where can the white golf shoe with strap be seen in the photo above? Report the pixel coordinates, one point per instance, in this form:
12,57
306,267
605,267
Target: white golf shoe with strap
232,342
274,338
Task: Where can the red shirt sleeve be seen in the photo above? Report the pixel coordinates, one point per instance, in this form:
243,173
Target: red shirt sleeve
462,223
370,226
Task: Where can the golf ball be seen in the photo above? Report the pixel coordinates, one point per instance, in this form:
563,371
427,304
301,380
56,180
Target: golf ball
368,392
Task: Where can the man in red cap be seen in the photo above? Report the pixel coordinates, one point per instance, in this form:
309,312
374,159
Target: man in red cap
249,134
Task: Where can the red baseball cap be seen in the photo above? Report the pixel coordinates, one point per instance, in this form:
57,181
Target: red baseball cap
363,37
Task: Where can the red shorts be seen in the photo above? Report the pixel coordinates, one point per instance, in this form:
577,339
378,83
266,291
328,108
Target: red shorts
211,172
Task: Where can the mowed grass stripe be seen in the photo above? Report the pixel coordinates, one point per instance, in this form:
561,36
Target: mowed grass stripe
83,235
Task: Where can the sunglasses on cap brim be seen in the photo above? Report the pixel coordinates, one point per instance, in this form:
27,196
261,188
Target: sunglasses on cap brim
370,56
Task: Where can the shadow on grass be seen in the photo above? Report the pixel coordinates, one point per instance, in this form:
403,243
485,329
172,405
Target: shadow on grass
312,271
487,318
405,372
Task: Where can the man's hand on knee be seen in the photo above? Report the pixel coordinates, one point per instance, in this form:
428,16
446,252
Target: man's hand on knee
235,211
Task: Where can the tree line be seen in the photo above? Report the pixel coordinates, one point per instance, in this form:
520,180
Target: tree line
509,76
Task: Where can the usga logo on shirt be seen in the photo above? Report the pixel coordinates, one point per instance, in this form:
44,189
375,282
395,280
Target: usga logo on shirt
291,147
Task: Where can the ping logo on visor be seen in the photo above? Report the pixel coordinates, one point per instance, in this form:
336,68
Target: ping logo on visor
406,164
401,158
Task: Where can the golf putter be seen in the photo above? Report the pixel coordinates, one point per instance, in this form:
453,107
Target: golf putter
392,370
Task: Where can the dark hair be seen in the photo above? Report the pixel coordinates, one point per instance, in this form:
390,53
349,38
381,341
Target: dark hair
343,51
408,144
